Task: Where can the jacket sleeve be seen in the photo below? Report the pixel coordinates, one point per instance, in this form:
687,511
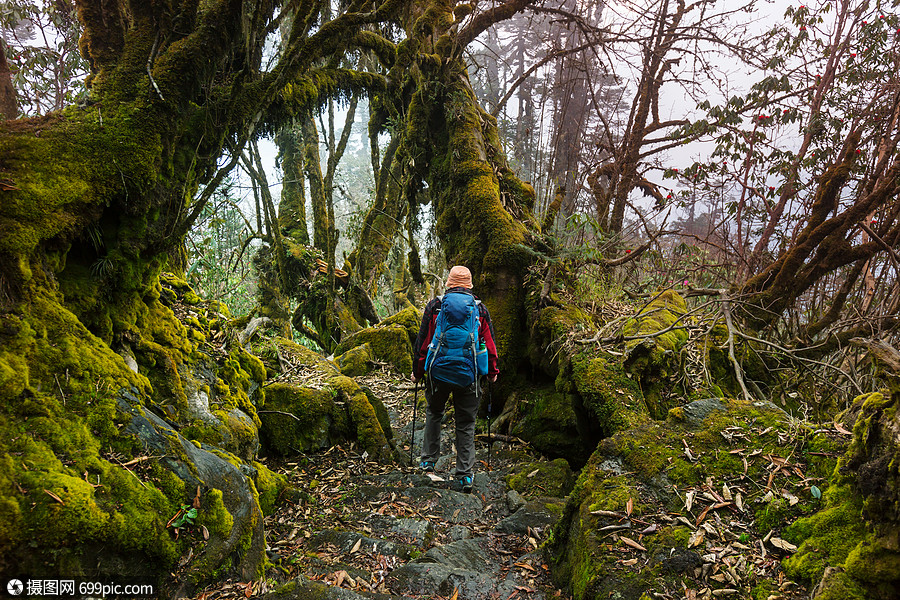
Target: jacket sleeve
426,330
486,333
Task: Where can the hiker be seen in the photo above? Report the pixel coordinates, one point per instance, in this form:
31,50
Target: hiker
454,357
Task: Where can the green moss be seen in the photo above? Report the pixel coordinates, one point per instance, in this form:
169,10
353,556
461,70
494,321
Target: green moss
410,318
654,356
552,325
612,399
837,585
309,426
876,562
363,418
827,537
554,478
549,421
390,343
269,485
356,361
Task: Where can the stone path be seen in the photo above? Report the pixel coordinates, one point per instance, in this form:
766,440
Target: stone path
361,530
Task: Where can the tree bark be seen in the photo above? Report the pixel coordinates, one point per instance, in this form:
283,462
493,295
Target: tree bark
9,108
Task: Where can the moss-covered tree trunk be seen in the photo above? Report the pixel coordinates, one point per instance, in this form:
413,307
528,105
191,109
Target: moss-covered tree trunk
451,144
95,369
292,208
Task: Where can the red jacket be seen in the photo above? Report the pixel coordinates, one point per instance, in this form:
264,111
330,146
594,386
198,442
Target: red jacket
426,332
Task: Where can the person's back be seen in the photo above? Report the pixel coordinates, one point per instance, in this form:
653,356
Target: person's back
447,352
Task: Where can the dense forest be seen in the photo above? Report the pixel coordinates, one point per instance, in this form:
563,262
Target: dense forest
220,222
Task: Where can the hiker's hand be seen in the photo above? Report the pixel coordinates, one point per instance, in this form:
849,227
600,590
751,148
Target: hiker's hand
413,378
493,378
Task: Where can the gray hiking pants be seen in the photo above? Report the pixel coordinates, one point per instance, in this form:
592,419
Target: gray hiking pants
465,401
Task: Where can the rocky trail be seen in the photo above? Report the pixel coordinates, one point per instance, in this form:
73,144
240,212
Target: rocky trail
359,529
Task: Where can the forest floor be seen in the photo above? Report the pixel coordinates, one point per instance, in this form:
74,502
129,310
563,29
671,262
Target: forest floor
371,530
365,530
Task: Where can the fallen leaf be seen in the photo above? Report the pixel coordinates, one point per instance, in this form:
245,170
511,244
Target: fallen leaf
632,543
356,546
689,500
629,506
186,558
533,473
54,496
726,493
782,544
630,562
455,594
687,451
196,503
205,532
607,513
840,429
703,515
697,538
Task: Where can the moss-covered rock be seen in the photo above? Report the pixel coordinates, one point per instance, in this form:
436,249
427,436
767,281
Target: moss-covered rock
550,326
390,343
104,433
356,361
654,357
852,545
410,318
551,421
329,408
300,419
645,470
537,479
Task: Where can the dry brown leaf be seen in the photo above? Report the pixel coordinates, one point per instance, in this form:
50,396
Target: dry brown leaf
703,515
204,531
356,546
726,493
689,500
607,513
782,544
697,538
54,496
455,594
196,503
632,543
687,451
629,506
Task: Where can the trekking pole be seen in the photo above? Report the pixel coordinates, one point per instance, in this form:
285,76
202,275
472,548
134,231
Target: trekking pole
412,434
490,441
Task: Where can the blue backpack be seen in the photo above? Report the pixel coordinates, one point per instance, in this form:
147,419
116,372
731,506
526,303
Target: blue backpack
455,354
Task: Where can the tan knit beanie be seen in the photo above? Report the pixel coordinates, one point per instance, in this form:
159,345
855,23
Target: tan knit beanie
459,277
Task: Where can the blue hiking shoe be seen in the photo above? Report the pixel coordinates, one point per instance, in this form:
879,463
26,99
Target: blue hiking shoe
427,466
466,484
